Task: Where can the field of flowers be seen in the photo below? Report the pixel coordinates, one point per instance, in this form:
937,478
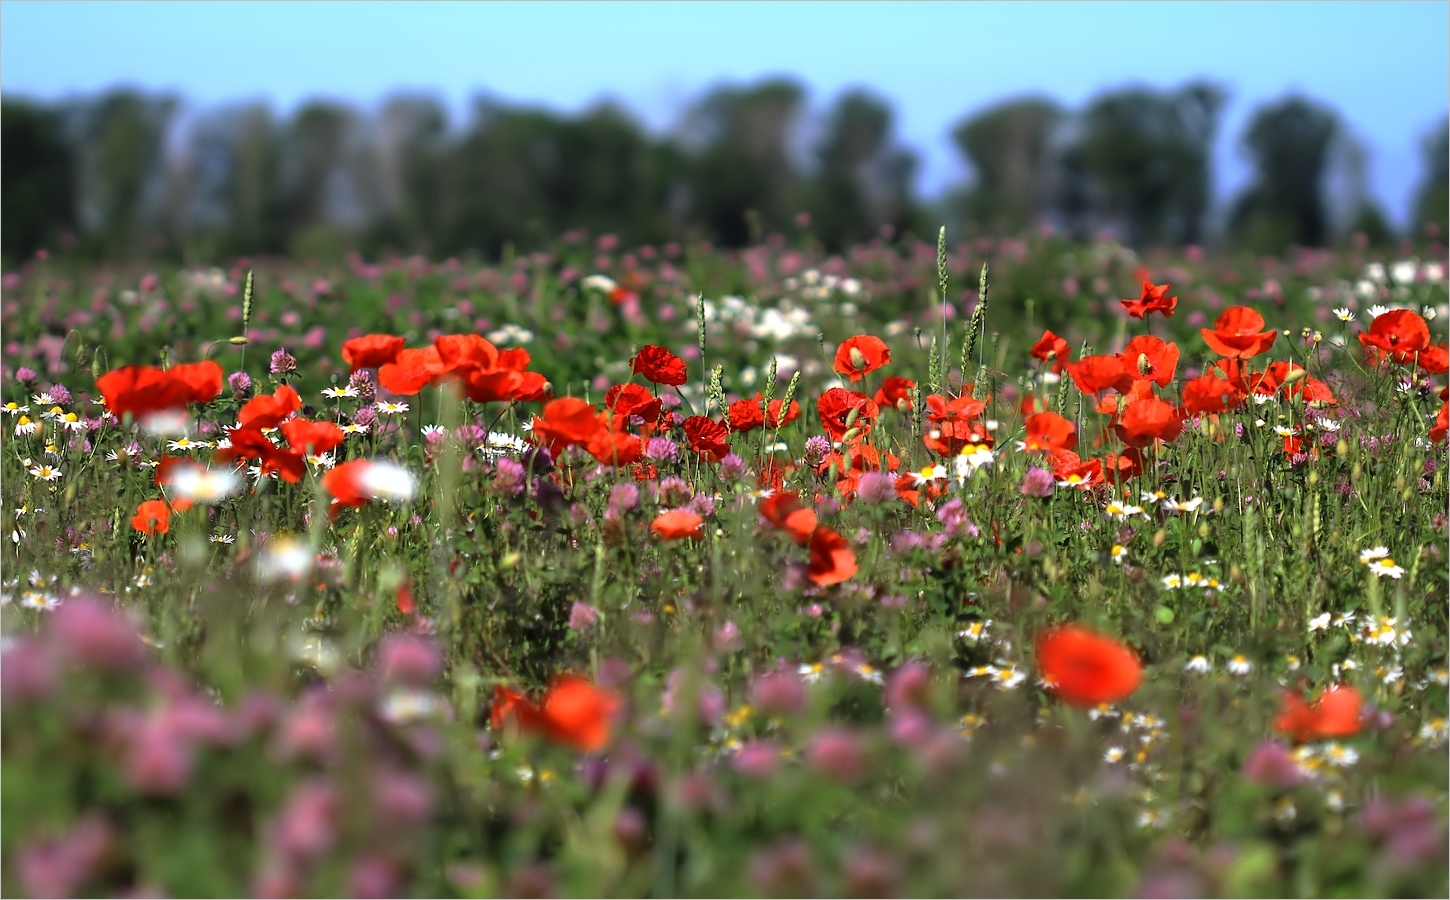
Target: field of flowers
1010,568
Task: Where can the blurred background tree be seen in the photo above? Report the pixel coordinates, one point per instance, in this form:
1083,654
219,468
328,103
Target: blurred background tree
1432,206
1290,145
126,174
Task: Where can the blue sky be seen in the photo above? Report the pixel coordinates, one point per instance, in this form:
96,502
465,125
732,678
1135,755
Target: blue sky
1384,66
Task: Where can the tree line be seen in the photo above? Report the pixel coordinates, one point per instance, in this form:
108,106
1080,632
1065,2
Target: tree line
125,175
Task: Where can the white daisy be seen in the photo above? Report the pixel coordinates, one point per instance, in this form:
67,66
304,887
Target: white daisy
46,473
1319,622
1386,568
1199,665
1368,556
336,393
385,406
1240,665
1187,506
1344,314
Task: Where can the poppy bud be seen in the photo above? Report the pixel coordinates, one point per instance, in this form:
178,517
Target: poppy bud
1341,449
1159,537
1217,505
1203,531
1143,364
851,435
853,416
1294,375
858,359
238,340
1356,473
1236,575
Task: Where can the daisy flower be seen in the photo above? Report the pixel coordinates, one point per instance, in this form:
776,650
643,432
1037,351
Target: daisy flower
1114,754
26,426
928,475
1374,312
222,538
1118,553
47,473
1385,567
1172,582
1122,511
434,430
812,672
185,443
43,399
974,631
1151,497
39,601
15,409
1186,506
337,393
1319,622
1240,665
1343,314
1338,755
1368,556
353,428
1007,677
1199,665
386,406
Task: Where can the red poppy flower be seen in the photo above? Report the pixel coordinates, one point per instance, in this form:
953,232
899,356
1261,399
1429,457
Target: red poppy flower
832,560
269,411
414,369
152,517
633,400
345,483
1148,420
467,351
1400,333
857,356
745,416
371,351
659,366
1152,299
1150,359
203,380
678,524
312,438
954,424
1085,668
1209,394
1238,333
773,417
1074,472
1095,374
1119,467
784,510
612,445
142,391
574,713
490,385
1435,359
1442,425
1052,350
1049,431
707,437
895,391
1335,714
250,443
566,422
836,407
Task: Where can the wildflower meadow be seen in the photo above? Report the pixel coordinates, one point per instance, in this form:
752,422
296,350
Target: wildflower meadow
1000,568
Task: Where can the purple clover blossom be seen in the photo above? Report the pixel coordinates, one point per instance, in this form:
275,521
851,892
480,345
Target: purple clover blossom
732,468
953,515
1037,482
25,375
283,362
509,476
362,382
365,416
623,497
662,449
240,383
60,395
876,487
817,449
702,505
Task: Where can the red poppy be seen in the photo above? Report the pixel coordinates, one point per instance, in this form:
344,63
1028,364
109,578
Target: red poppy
1072,471
203,380
565,422
1152,299
1095,374
490,385
312,438
1209,394
371,351
1049,431
345,483
1335,714
659,365
707,437
152,517
467,351
1400,333
1435,359
1441,426
1085,668
612,445
954,424
860,355
1052,350
574,713
678,524
745,416
1119,467
784,510
832,560
633,400
1238,333
414,369
144,391
1148,358
773,417
895,391
250,443
1147,420
269,411
836,408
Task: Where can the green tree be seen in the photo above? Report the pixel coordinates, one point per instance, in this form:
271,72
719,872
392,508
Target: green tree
1146,157
1290,143
1432,206
862,181
37,179
1009,149
122,141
